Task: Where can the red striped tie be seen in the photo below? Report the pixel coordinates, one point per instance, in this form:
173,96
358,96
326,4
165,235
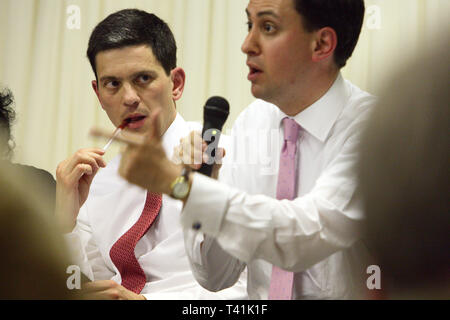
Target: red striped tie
122,252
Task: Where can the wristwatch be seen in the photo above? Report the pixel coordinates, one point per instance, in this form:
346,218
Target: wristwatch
180,186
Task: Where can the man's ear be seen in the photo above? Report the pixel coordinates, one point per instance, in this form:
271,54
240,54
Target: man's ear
95,87
325,44
178,78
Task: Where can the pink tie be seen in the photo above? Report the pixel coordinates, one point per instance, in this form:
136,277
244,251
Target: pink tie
122,252
281,281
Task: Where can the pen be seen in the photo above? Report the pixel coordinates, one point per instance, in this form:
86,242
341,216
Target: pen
116,133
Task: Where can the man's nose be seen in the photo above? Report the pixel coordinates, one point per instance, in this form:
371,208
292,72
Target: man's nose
251,45
130,96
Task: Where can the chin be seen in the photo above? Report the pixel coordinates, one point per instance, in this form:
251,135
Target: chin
142,129
259,93
256,92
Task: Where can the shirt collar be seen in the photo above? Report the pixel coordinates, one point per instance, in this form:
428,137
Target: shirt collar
319,118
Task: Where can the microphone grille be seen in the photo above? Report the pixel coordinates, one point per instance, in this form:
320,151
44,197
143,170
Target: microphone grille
219,103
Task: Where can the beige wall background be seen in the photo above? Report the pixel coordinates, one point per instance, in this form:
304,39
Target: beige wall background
43,61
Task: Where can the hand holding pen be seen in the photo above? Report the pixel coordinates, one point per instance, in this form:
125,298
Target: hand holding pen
74,176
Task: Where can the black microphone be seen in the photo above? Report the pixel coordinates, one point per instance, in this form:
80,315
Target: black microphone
215,113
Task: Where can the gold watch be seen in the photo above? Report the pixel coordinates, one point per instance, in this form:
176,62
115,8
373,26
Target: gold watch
180,186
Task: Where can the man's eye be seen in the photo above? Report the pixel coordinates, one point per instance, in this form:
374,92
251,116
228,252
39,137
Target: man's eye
112,84
269,28
249,26
143,78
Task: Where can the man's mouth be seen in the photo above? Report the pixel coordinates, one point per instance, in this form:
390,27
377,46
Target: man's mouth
135,121
254,71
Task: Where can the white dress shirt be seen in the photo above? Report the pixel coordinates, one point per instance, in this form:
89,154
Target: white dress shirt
314,235
112,207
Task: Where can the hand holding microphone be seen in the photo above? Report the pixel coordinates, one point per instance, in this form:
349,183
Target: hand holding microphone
215,114
203,154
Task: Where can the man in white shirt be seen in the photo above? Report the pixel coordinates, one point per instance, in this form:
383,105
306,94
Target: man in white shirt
133,56
304,246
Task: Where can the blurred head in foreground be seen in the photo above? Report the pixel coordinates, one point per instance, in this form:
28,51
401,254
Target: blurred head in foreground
405,181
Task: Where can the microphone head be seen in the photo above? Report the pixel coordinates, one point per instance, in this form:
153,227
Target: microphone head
216,112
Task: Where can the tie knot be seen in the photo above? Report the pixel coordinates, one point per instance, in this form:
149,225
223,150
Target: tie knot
291,129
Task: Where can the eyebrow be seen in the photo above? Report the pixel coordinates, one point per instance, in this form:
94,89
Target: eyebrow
151,73
104,78
263,13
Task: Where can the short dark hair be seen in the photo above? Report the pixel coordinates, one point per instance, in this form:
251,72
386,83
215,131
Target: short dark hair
7,116
132,27
344,16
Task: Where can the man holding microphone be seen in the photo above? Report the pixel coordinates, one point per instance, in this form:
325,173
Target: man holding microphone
296,227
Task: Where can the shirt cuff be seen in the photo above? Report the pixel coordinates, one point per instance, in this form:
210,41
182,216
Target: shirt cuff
206,205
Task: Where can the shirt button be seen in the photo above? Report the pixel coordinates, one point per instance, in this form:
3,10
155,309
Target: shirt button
196,226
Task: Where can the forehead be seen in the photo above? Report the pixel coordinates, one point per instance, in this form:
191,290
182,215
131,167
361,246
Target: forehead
126,60
280,8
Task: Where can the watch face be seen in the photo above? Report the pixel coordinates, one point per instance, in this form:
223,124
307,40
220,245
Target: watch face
180,190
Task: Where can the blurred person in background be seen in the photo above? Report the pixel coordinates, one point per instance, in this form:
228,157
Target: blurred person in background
404,180
46,186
